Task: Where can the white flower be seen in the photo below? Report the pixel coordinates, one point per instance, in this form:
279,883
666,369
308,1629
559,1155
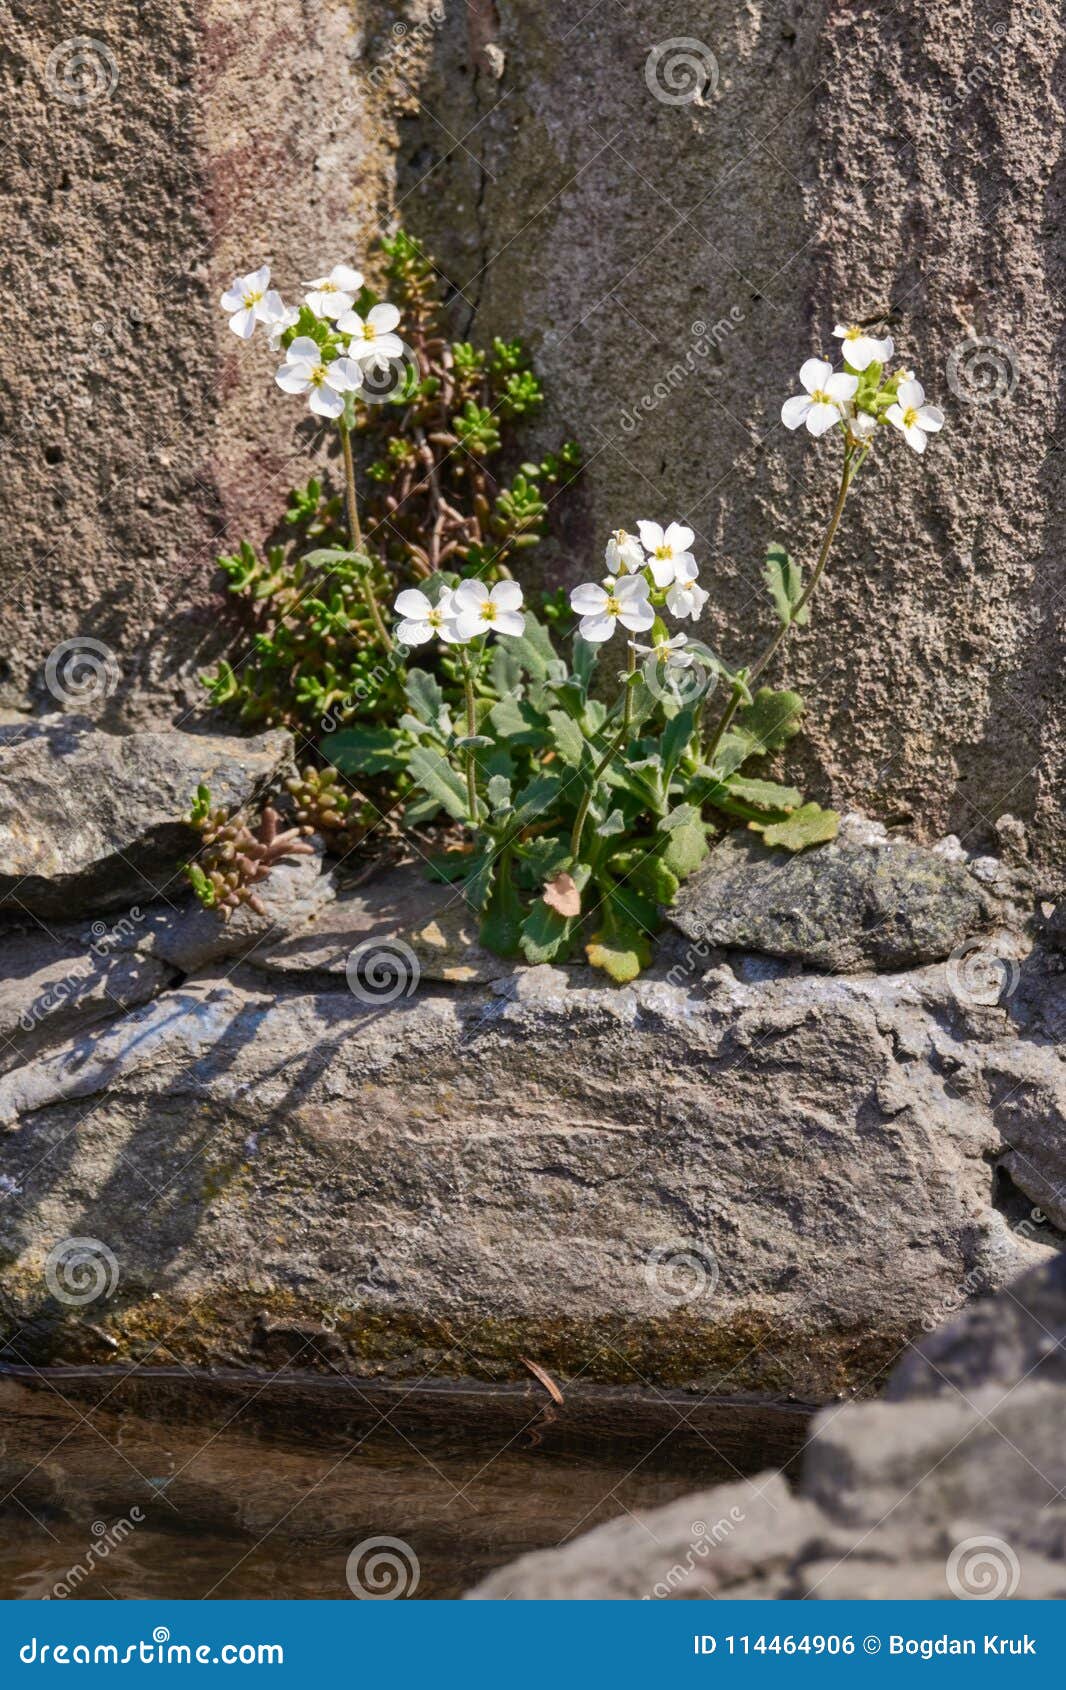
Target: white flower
372,337
912,416
602,608
668,551
250,300
862,424
685,598
624,554
422,620
671,652
479,609
333,295
304,371
288,317
821,406
861,348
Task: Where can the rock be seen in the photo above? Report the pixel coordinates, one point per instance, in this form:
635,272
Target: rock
54,984
92,820
543,1163
953,1486
1054,933
854,904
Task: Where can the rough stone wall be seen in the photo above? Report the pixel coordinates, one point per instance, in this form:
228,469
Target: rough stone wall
837,161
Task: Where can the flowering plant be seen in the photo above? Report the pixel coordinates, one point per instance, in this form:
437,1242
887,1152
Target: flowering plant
586,816
580,817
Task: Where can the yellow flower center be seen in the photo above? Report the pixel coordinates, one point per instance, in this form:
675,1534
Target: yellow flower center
252,298
488,611
820,397
434,619
368,331
613,607
852,333
663,551
318,375
910,417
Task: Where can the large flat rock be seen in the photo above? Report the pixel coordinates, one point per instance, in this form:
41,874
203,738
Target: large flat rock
92,820
741,1185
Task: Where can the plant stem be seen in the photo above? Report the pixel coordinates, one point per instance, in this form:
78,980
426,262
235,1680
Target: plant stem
356,535
849,470
471,728
615,745
627,708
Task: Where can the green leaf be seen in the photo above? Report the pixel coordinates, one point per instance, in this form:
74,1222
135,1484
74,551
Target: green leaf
424,696
767,723
676,736
501,928
785,581
435,775
765,794
534,650
364,751
570,742
513,719
505,671
499,793
619,949
810,825
584,658
536,799
546,934
686,847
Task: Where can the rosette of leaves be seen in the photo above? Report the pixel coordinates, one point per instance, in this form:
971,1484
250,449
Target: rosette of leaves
586,823
235,858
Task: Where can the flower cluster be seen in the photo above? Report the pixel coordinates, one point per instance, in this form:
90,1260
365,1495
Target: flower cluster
461,613
656,569
329,345
859,398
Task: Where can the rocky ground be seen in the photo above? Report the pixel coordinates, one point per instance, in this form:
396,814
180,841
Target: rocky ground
951,1486
743,1174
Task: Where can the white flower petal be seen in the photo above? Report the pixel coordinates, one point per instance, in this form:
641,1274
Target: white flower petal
794,411
243,322
344,375
678,537
821,417
841,386
636,617
382,318
412,602
469,625
325,403
662,569
631,587
470,595
303,350
413,633
815,373
596,629
911,395
914,437
377,351
588,599
931,418
507,594
509,622
259,280
233,298
294,378
344,277
651,535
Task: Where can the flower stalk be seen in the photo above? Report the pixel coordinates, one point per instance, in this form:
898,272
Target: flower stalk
356,534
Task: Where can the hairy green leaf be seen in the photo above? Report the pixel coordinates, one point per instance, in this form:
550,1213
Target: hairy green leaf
437,778
810,825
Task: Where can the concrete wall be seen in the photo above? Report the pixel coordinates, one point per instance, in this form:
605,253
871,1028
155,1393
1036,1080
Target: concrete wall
837,160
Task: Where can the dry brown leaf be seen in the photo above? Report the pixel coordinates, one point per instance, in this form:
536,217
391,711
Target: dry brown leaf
545,1378
562,895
